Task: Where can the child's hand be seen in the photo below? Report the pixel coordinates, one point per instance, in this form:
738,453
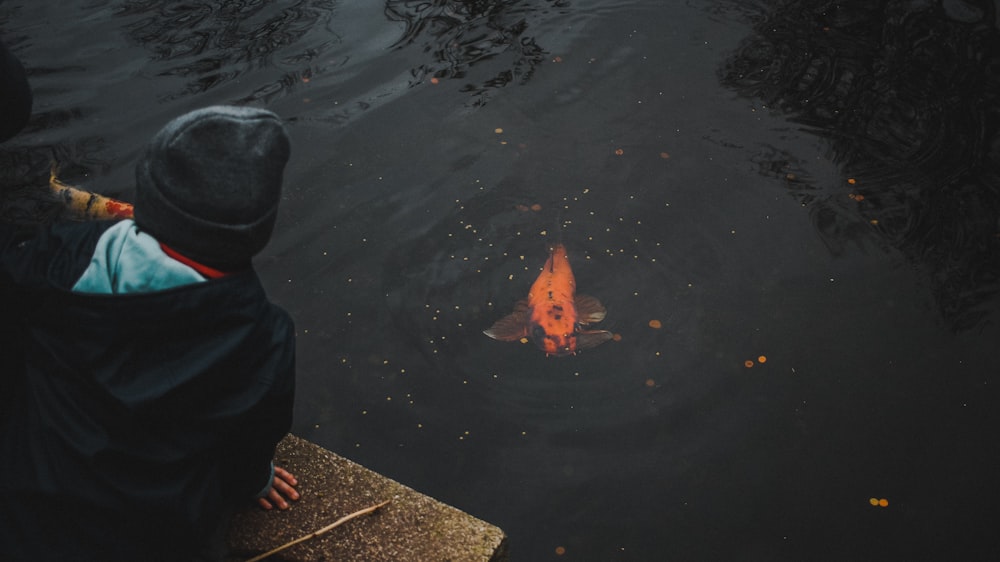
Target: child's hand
282,487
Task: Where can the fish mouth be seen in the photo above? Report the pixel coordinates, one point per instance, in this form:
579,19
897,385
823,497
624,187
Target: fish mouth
554,344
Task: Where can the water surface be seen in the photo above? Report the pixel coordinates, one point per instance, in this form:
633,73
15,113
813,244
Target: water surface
812,183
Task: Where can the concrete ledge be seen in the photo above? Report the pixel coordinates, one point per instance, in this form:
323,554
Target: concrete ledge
412,527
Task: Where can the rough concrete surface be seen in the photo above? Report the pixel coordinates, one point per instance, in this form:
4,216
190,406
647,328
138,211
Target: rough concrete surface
413,527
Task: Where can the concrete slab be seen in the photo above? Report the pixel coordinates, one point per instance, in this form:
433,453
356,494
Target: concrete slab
413,527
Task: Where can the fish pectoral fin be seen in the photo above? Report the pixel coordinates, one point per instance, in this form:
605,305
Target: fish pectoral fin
512,327
588,309
592,338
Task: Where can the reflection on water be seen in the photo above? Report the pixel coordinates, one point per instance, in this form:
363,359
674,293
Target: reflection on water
908,94
464,33
210,44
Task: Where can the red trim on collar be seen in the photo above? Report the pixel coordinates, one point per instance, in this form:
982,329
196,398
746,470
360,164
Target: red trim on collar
209,272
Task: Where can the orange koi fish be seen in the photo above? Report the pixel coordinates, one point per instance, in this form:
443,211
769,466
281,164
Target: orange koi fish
84,205
553,314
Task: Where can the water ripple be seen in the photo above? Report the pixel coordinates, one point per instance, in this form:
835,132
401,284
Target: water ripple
908,96
461,34
212,44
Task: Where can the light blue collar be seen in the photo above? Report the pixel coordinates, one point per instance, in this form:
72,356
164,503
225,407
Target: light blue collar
127,260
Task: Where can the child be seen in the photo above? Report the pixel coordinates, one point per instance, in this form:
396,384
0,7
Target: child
148,376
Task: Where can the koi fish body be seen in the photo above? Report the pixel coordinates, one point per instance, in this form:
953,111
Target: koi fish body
84,205
553,315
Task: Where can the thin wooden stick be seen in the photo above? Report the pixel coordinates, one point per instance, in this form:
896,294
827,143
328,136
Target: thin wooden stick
322,531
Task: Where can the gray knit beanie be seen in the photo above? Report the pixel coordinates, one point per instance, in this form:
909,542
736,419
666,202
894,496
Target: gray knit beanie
209,183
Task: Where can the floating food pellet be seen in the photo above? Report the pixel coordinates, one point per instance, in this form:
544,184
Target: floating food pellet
619,151
873,501
650,383
524,340
852,181
435,80
762,359
748,363
536,207
616,337
655,324
498,130
560,550
883,502
665,155
557,59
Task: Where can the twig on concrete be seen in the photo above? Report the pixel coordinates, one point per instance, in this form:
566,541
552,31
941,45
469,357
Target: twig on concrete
315,534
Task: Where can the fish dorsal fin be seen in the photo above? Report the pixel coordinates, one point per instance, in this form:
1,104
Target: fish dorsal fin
512,327
588,309
592,338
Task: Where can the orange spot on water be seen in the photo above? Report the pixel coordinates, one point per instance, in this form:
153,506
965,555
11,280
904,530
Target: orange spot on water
560,550
619,151
873,501
748,363
434,80
665,155
536,207
883,502
762,359
852,181
655,324
616,337
650,383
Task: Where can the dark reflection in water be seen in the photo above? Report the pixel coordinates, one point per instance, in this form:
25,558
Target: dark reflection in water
210,44
908,94
464,33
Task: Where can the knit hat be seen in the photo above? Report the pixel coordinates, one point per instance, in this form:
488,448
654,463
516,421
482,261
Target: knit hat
209,183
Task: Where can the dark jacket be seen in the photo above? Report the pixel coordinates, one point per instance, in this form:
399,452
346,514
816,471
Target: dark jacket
134,424
15,95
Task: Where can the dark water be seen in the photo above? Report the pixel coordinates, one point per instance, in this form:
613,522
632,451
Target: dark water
814,182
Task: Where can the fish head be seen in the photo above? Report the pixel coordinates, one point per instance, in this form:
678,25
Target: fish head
553,343
553,328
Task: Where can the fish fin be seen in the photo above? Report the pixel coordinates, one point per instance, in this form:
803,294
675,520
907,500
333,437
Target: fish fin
512,327
592,338
589,310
